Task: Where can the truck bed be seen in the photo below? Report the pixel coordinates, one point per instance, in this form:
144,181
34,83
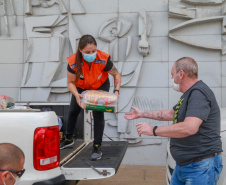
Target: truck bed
67,153
113,153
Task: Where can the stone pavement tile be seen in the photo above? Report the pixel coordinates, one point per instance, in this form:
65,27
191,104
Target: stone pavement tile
133,175
97,182
155,173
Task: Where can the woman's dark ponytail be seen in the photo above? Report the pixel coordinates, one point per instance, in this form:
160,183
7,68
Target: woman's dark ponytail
84,40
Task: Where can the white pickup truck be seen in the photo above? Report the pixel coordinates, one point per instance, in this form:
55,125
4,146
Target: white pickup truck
37,134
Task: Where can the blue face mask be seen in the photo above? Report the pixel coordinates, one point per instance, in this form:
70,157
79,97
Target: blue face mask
89,57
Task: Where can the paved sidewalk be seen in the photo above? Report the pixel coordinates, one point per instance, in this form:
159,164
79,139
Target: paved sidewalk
133,175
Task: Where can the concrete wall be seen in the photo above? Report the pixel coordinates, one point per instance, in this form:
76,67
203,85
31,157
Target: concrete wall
36,37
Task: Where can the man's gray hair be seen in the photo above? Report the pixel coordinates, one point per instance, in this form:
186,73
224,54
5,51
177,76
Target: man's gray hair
10,156
188,65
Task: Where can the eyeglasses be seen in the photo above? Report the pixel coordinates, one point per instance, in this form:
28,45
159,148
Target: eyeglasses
19,173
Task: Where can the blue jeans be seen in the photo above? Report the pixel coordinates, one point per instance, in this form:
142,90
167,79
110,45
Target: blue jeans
205,172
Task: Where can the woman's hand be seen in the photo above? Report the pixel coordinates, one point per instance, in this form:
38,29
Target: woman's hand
137,113
117,94
78,99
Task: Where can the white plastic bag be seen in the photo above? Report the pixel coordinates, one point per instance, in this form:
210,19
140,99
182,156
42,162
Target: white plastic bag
6,101
99,101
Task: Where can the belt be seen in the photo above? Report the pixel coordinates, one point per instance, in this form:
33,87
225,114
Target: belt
199,159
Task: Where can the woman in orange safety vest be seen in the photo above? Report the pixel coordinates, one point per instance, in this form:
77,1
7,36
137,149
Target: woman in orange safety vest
88,69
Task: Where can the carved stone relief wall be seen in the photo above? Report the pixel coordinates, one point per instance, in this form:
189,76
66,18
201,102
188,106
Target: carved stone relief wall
198,28
143,37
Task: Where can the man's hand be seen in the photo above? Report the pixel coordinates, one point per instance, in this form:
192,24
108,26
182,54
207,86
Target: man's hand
133,115
144,128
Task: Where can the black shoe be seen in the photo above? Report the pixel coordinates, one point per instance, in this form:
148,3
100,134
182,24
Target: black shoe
97,153
64,143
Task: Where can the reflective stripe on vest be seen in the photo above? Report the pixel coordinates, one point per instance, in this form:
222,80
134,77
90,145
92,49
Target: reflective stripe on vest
94,77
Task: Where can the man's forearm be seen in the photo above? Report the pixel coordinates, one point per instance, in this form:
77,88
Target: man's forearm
178,130
161,115
188,127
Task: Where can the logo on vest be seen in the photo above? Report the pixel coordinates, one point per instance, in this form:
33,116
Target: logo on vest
73,66
100,62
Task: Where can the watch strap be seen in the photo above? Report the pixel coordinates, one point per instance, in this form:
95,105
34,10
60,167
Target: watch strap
154,130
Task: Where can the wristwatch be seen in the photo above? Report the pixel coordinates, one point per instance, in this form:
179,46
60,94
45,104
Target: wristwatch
154,130
117,91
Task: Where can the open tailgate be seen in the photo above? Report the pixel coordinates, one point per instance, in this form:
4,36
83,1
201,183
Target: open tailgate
80,167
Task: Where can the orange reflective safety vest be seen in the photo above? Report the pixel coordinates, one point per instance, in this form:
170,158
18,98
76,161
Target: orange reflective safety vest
94,77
